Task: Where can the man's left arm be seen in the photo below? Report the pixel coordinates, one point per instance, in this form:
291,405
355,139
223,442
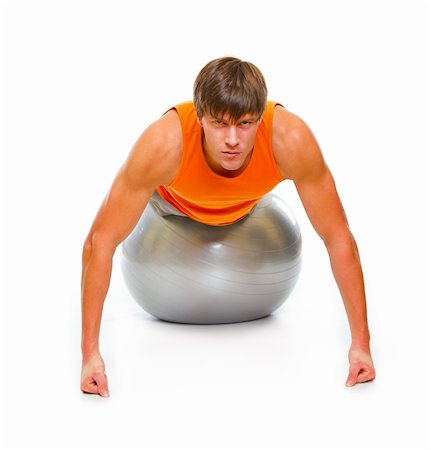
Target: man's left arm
301,160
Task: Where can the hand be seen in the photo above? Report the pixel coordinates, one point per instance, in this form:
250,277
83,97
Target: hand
361,366
93,378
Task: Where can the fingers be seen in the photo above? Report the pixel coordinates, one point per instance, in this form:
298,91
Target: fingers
365,375
89,387
98,384
351,380
102,383
359,374
361,367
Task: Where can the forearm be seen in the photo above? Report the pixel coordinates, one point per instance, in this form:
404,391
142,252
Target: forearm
346,267
96,275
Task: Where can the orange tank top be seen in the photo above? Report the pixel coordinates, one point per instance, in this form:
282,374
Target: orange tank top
205,196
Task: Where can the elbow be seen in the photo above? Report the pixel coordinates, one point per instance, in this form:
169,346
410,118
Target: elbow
87,249
98,244
342,242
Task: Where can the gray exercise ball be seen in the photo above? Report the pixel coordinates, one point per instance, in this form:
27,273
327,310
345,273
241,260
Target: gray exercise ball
180,270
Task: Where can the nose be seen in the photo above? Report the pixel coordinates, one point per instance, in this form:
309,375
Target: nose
232,136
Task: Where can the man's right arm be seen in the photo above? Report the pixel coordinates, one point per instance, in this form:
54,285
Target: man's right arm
152,161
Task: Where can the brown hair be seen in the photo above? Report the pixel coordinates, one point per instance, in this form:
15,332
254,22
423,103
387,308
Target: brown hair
230,86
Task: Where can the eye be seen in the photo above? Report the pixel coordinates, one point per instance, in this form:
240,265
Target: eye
245,123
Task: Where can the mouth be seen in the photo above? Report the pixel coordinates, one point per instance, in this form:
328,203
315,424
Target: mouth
231,153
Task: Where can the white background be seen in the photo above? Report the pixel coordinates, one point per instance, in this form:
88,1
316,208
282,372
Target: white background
80,81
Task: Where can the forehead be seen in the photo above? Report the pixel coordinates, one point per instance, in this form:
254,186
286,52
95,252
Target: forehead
228,119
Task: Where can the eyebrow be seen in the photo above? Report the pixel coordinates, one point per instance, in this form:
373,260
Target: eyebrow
246,119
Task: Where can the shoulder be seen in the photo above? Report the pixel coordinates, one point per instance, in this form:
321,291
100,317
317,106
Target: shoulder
165,132
157,152
295,148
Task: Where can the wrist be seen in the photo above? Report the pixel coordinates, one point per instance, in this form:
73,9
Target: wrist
360,335
361,344
89,349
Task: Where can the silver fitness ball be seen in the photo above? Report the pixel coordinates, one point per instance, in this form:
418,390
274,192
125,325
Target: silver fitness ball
180,270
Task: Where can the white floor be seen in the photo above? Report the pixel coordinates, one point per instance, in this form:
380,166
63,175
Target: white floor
273,383
78,93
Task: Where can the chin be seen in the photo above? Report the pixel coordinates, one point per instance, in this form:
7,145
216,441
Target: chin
231,167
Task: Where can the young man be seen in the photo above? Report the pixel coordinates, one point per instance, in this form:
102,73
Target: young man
223,128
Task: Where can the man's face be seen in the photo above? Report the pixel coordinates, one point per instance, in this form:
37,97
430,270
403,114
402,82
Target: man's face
228,144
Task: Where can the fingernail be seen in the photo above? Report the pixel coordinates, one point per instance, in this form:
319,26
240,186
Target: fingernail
349,384
105,394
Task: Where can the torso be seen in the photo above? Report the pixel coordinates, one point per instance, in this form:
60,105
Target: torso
283,122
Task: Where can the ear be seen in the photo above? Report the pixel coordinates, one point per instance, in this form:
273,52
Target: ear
199,121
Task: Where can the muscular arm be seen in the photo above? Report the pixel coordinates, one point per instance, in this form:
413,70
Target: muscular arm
152,161
300,159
